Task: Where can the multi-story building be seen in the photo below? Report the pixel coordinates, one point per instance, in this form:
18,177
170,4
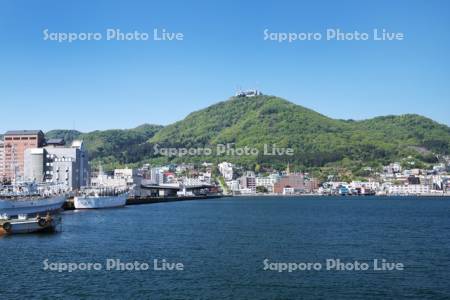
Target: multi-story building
205,177
184,168
311,185
127,175
268,182
58,163
156,176
15,144
393,168
2,161
104,180
233,185
294,182
34,165
67,164
248,182
414,189
226,169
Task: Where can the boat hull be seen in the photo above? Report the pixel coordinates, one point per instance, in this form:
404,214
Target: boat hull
100,202
31,206
28,226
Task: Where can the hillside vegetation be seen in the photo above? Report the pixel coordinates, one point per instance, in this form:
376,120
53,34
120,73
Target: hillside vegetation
115,147
318,141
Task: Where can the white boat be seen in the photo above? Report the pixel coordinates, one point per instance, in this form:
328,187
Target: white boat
101,198
102,195
23,224
14,207
30,198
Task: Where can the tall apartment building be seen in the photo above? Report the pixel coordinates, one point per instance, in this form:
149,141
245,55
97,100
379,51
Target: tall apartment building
15,144
248,181
156,176
2,161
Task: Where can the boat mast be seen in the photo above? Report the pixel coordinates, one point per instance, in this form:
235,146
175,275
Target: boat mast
13,164
100,173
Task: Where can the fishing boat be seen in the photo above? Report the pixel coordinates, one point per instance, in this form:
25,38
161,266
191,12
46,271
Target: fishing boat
25,224
104,193
31,198
101,197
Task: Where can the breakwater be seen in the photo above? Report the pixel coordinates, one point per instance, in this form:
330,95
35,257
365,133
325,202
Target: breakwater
69,205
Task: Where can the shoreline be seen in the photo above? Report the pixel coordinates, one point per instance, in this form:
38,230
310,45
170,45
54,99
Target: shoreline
68,205
343,196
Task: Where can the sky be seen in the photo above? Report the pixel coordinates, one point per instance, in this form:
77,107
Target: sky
103,84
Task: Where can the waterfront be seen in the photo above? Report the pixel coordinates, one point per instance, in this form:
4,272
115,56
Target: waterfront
222,244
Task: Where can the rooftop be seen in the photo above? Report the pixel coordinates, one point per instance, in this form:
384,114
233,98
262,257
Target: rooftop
24,132
77,144
248,93
59,142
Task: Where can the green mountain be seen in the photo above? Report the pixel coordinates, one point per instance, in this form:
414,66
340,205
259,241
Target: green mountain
317,141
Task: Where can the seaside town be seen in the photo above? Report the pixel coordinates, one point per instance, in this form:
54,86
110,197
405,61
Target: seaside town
25,155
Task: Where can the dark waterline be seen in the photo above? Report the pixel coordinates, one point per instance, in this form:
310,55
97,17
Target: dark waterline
223,243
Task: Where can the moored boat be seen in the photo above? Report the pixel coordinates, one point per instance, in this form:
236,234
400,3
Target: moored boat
31,198
101,198
24,224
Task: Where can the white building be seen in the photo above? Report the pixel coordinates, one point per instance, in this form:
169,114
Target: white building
226,170
233,185
439,167
34,164
188,181
268,182
413,189
127,175
205,177
156,176
248,93
409,172
58,163
288,191
393,168
104,180
182,168
373,185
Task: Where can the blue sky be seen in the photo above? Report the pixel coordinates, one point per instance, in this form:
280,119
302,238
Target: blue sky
109,84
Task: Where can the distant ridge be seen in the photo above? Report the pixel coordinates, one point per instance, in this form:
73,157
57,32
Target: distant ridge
114,147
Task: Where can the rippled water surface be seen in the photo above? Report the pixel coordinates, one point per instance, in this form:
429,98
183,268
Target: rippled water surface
222,244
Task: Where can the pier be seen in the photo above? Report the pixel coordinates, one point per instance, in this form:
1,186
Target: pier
136,200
